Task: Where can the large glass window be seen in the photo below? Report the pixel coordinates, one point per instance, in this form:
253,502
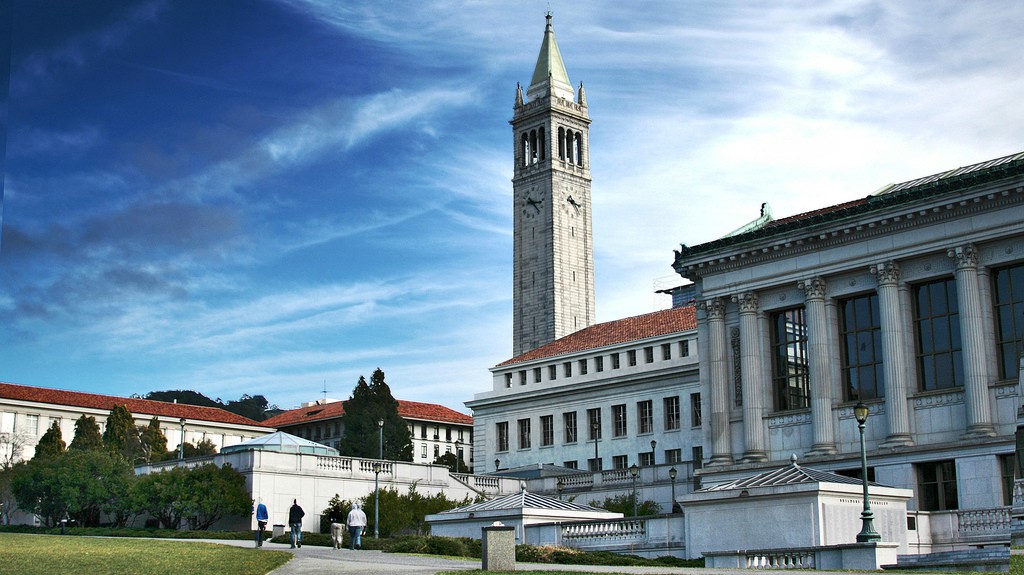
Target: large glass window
1009,312
695,414
671,413
619,420
569,420
645,416
547,430
502,433
936,482
594,423
789,360
937,319
620,461
524,434
860,331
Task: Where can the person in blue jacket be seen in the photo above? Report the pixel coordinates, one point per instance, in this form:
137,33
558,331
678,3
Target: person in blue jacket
262,516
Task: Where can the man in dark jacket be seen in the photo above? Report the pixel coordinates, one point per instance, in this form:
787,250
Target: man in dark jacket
295,515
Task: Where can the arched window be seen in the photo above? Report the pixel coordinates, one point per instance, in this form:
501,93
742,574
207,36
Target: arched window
561,144
525,147
542,144
533,147
578,152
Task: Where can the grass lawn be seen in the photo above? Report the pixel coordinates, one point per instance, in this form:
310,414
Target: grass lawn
52,554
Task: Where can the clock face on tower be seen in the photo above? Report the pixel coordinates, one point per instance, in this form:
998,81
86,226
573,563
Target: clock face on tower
532,206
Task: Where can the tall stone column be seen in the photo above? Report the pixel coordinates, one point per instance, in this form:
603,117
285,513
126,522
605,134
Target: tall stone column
718,376
972,337
819,370
750,371
894,358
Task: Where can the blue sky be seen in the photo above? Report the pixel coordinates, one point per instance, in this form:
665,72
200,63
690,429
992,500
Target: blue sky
267,197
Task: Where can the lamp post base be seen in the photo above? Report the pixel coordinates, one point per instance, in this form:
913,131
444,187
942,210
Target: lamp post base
867,533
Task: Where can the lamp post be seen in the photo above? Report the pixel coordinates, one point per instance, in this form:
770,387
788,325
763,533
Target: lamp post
634,471
672,475
376,500
376,479
654,458
458,454
497,465
560,486
595,428
867,533
181,444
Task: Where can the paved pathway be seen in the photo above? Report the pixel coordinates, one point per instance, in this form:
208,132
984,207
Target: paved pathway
311,560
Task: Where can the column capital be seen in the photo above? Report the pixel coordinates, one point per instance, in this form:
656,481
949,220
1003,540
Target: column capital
887,272
965,257
714,307
747,302
814,288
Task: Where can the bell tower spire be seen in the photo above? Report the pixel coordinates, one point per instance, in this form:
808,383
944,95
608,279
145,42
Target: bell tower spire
553,253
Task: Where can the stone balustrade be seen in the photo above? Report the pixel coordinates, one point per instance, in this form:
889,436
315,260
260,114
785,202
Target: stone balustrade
618,529
780,559
994,521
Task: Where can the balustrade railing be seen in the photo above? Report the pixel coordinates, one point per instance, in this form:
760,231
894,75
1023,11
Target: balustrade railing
780,559
615,530
984,521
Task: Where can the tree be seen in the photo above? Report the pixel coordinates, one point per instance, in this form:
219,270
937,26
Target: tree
201,449
623,503
451,461
254,407
51,444
85,483
201,496
154,442
121,435
12,447
213,492
87,434
369,404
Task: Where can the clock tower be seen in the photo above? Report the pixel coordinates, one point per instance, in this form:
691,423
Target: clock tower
553,254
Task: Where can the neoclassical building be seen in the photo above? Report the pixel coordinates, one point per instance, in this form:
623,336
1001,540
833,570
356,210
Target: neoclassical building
910,300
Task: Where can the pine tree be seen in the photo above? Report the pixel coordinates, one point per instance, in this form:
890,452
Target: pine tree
154,442
370,404
121,435
87,434
51,444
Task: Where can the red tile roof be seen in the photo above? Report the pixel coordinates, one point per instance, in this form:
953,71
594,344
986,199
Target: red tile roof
138,407
614,332
413,410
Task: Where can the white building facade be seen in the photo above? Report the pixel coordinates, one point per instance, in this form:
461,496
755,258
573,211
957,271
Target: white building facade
910,300
607,397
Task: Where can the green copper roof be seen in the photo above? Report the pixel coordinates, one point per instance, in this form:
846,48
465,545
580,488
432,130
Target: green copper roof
550,65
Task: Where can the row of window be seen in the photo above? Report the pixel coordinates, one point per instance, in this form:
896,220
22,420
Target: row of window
436,435
620,423
614,362
937,340
643,459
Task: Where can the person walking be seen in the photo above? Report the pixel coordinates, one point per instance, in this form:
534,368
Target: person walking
337,519
295,515
356,523
262,516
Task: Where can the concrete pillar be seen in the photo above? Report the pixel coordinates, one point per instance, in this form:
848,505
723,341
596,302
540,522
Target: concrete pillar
718,378
819,369
752,382
894,357
972,338
498,548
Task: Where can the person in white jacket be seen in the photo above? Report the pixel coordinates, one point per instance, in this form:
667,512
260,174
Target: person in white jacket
356,523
